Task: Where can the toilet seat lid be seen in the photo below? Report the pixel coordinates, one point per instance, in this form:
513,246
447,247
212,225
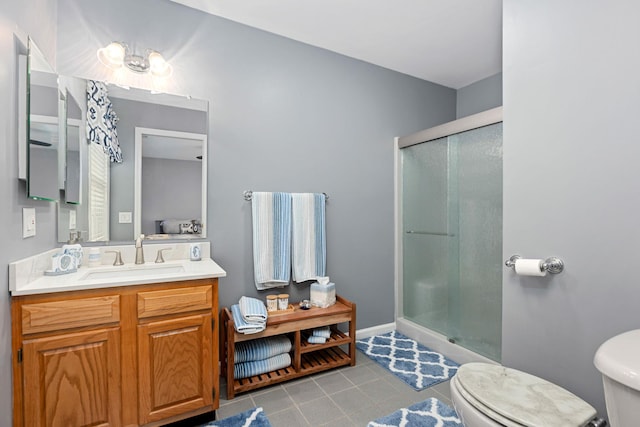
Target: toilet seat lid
521,397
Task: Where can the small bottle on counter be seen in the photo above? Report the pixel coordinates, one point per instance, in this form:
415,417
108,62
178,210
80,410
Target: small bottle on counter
94,258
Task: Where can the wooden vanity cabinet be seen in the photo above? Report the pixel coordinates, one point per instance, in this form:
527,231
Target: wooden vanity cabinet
125,356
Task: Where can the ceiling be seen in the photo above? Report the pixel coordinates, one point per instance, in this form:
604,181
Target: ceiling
450,42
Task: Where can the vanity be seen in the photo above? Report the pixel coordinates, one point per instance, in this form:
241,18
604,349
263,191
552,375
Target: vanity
115,345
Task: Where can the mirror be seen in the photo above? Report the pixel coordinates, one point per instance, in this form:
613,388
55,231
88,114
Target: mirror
72,184
45,137
125,191
170,183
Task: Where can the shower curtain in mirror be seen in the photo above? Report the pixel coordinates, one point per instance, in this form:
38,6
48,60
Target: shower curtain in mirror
102,120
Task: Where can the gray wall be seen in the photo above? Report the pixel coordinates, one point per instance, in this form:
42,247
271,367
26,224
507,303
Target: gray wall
479,96
284,116
571,183
17,19
171,189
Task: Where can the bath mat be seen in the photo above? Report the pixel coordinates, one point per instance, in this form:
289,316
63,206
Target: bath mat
413,363
252,418
429,413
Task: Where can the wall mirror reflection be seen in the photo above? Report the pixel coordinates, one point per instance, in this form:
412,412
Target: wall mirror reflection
45,136
171,179
118,198
72,184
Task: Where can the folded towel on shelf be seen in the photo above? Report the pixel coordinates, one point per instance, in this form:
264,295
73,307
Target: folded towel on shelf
252,310
242,325
308,251
324,332
316,340
271,217
262,348
257,367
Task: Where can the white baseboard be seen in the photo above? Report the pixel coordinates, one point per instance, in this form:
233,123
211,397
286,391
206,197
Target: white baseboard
375,330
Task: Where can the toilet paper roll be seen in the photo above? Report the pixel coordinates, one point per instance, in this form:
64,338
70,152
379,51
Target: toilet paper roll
529,267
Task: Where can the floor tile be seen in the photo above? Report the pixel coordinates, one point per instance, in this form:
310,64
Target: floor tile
304,391
291,417
274,400
321,411
333,382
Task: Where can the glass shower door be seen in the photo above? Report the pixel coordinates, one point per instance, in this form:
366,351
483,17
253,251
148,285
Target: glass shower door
452,237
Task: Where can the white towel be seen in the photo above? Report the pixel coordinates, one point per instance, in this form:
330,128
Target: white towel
271,215
252,310
242,325
309,236
324,332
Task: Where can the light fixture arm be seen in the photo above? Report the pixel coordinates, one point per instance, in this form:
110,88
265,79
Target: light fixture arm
117,54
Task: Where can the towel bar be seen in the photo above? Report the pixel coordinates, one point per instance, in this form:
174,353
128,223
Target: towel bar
248,194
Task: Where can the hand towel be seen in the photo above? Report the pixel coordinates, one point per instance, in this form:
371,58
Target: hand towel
308,236
252,310
261,348
271,216
324,332
257,367
243,326
316,340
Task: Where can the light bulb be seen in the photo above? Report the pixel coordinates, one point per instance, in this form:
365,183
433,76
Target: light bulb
158,66
112,55
115,52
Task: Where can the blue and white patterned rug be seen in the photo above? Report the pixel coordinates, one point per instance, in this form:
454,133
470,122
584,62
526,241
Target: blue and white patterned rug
429,413
252,418
413,363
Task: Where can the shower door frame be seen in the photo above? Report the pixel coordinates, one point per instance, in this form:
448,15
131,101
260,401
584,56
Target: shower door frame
430,338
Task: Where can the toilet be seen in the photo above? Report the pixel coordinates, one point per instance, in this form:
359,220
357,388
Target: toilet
618,360
487,395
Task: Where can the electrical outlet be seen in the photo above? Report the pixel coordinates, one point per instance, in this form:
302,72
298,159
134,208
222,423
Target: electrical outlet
124,217
28,222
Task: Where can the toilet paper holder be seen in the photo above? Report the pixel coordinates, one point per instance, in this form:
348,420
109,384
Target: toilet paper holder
553,265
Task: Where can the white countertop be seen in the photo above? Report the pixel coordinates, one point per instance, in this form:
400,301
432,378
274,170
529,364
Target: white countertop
27,277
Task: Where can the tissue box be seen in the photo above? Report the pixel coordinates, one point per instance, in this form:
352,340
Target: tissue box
323,295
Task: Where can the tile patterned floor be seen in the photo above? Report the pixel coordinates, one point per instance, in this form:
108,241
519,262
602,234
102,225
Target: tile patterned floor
344,397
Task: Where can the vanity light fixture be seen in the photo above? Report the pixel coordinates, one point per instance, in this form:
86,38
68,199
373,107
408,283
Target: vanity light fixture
118,54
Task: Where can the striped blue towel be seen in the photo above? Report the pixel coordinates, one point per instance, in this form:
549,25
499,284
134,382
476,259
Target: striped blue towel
324,332
309,252
257,367
316,340
262,348
271,216
241,325
252,310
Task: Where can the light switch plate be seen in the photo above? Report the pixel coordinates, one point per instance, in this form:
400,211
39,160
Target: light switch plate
28,222
124,217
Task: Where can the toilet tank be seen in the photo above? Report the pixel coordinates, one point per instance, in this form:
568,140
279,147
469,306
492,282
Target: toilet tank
618,359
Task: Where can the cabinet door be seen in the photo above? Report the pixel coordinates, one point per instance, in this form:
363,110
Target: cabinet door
175,364
73,379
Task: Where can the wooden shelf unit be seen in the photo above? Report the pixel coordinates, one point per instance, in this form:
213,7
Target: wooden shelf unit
306,358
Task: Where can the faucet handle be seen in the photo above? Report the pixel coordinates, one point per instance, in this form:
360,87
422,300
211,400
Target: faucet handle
159,258
118,260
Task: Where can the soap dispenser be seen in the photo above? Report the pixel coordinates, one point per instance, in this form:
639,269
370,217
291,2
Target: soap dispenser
139,250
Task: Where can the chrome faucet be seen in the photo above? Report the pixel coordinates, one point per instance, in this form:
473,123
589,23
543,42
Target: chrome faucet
139,251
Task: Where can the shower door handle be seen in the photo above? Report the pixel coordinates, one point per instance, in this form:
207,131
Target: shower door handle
430,233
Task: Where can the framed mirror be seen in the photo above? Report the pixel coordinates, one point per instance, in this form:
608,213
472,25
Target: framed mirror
170,184
46,107
112,187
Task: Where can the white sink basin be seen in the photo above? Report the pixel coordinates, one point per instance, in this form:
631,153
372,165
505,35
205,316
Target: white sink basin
125,272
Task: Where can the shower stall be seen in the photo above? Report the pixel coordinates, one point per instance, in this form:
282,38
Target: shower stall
449,237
